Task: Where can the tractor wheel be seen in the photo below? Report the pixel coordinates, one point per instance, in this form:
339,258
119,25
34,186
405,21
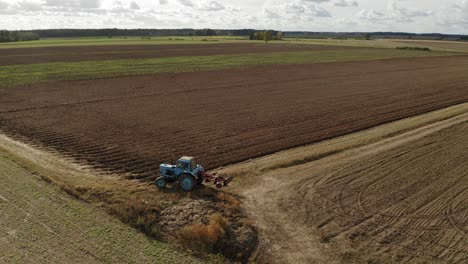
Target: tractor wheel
199,179
160,182
187,182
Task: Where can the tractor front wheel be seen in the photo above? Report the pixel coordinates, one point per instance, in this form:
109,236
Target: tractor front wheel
160,182
187,182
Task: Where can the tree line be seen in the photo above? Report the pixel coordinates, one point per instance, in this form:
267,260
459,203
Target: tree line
183,32
375,35
251,33
12,36
266,35
64,33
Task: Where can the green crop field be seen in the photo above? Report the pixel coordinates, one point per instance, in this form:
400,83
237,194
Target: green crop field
42,224
59,42
37,73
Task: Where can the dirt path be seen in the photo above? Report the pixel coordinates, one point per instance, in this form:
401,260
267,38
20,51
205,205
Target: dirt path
362,205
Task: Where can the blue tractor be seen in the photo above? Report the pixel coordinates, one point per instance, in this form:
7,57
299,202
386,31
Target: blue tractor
188,174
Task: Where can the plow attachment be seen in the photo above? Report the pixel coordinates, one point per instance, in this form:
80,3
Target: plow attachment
219,181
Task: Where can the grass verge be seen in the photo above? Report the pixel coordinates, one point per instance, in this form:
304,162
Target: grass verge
39,73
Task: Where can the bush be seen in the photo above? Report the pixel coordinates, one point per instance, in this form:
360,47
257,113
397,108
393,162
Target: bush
218,219
414,48
201,238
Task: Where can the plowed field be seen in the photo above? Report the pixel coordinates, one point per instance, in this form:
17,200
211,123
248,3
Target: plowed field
131,124
91,53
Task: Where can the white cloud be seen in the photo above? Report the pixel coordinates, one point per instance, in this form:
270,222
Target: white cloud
271,14
448,16
29,6
316,1
318,11
74,3
371,14
4,5
211,6
303,10
394,13
6,9
344,3
463,6
134,6
188,3
408,13
455,17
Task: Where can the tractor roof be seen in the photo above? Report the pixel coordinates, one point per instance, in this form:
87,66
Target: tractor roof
187,158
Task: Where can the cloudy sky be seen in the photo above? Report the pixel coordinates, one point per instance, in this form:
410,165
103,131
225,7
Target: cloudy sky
444,16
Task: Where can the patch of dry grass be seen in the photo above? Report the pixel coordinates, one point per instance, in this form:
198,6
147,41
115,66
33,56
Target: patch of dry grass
201,238
229,201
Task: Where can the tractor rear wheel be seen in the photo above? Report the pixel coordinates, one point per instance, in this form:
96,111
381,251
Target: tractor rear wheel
199,179
187,182
160,182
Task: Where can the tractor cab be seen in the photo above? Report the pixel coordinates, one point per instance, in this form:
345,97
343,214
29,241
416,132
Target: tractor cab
187,164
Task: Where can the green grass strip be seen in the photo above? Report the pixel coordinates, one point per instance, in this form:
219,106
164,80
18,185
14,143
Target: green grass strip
100,41
39,73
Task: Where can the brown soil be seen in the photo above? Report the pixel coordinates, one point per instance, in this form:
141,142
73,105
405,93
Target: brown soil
131,124
86,53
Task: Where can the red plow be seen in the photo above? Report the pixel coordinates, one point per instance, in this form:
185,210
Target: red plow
219,181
